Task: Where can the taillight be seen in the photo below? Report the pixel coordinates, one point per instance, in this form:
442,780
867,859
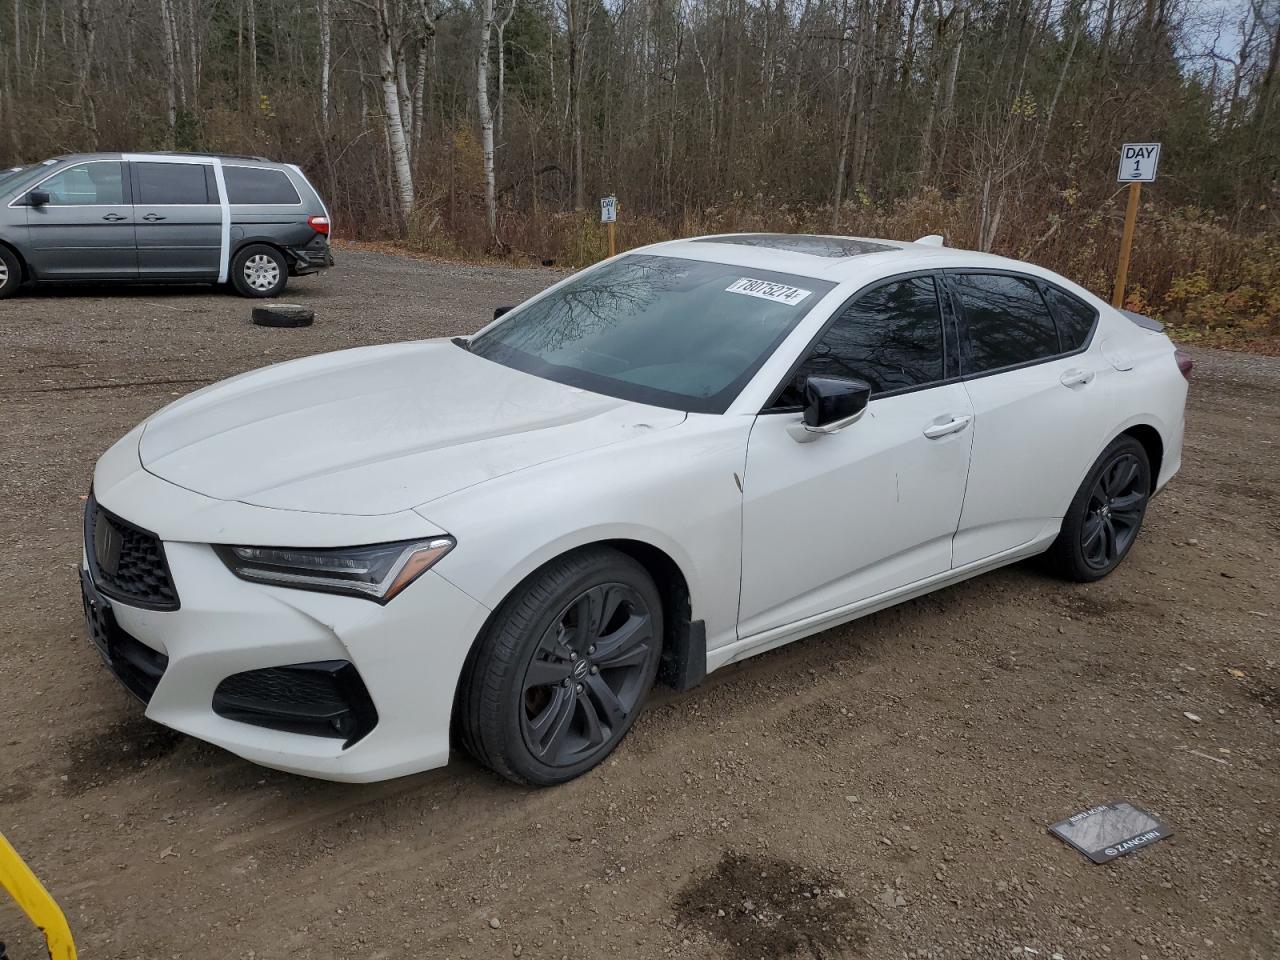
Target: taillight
1185,363
319,224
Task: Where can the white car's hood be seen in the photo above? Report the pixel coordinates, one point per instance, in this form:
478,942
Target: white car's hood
378,429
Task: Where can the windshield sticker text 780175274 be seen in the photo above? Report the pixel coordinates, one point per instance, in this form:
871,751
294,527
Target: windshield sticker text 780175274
767,290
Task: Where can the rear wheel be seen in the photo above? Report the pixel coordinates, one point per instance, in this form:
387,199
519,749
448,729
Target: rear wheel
259,271
1104,518
10,273
563,669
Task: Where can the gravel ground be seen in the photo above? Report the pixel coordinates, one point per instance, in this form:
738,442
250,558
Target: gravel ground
878,791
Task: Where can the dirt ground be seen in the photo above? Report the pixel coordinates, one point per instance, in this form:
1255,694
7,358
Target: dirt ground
879,791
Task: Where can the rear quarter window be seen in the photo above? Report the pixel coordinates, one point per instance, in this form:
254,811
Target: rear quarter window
1075,317
259,185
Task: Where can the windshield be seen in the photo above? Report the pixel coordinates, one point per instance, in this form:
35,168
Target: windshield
10,175
660,330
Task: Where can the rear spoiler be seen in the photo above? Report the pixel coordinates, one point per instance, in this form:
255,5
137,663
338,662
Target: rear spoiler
1146,323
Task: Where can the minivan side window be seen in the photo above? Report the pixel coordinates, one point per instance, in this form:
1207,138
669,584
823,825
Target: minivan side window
1006,321
890,336
1075,318
171,183
86,184
258,185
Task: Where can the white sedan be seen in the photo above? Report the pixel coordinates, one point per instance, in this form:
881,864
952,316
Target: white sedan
679,458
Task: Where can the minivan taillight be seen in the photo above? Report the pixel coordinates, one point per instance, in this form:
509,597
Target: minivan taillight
1185,363
319,224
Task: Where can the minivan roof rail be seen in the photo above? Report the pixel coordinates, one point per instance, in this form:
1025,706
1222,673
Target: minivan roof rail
192,153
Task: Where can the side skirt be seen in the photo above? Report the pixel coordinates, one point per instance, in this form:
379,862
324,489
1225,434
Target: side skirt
778,636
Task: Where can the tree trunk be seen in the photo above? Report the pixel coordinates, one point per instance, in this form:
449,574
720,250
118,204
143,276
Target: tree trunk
851,106
169,53
397,146
326,61
486,115
575,104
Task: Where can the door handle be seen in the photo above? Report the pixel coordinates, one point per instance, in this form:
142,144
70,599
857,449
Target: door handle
153,217
1076,377
935,430
114,217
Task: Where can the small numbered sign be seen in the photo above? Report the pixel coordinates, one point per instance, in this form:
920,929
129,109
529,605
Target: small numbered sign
608,209
1138,162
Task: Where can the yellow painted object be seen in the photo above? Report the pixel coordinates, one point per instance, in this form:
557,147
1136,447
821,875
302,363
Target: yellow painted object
29,893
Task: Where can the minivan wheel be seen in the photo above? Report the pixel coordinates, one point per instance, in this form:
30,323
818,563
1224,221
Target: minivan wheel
10,273
1104,518
259,271
563,668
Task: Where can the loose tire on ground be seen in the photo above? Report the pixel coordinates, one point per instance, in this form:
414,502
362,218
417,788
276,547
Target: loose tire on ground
1106,514
259,271
283,315
10,273
562,669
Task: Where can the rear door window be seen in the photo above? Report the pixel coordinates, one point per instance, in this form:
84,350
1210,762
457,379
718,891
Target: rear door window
259,185
1006,322
1075,317
171,184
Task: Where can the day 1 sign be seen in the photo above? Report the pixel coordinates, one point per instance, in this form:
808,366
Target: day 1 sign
1138,162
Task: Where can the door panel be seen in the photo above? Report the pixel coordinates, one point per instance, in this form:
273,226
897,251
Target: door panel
179,221
852,514
86,230
1035,410
1034,436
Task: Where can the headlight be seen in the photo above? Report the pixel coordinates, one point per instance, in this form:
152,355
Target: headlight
377,572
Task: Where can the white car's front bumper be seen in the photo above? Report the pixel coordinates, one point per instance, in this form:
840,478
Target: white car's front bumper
408,653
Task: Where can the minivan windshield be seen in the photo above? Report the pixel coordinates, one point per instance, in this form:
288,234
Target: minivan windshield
667,331
9,175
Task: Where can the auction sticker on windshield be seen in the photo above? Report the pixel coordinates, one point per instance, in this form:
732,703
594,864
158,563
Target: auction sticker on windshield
768,290
1110,830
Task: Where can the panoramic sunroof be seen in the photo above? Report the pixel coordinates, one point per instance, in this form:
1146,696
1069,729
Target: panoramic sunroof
833,247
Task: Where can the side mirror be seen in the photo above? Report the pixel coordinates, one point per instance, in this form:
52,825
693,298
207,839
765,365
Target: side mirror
499,311
38,198
831,404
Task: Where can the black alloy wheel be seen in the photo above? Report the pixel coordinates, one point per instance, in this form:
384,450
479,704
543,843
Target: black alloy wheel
563,668
588,675
1116,505
1103,520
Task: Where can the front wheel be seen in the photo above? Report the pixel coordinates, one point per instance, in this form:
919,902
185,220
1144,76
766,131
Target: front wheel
1104,518
259,271
10,273
563,669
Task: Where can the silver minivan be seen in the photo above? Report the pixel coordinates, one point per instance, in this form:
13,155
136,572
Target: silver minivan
145,217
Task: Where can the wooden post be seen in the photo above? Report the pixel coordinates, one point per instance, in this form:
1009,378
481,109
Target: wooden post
613,238
1126,244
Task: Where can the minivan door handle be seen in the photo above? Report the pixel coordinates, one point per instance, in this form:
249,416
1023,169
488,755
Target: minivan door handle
114,217
1076,377
153,217
935,430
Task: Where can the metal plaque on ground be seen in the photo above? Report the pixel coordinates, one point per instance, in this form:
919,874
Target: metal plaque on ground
1110,830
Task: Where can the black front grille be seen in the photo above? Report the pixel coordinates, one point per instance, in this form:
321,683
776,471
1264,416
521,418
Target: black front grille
322,699
135,664
128,563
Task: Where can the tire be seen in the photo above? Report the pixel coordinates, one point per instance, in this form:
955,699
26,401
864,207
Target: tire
1106,514
563,668
259,271
10,273
283,315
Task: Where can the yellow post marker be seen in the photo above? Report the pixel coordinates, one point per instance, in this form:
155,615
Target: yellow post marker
34,900
609,217
1126,244
1138,162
